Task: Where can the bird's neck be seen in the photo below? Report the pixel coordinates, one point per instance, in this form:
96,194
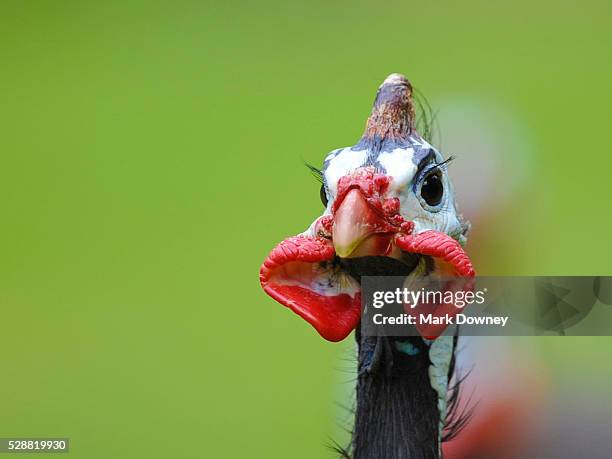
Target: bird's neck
397,415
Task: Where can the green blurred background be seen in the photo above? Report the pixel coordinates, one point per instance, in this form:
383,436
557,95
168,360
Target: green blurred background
151,155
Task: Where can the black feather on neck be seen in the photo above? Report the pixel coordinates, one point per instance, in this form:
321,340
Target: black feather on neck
397,414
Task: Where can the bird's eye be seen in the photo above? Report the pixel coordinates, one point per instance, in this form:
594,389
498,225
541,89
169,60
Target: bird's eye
323,195
432,189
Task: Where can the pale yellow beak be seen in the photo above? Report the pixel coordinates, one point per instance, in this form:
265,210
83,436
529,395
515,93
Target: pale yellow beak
356,229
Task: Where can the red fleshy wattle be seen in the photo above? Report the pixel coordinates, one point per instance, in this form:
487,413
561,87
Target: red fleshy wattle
442,309
441,247
333,316
445,251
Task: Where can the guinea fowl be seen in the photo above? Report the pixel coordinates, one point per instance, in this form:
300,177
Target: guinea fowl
389,210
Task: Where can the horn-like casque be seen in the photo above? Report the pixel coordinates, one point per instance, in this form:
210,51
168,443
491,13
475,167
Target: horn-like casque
392,115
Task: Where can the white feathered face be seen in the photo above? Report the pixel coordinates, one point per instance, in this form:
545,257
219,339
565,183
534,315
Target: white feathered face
418,177
389,210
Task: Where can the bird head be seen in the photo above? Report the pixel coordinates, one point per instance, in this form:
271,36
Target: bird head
389,210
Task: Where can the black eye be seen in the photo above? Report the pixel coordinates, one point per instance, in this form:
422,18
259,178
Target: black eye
432,189
323,195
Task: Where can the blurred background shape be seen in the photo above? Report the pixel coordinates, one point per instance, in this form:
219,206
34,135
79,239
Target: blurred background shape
151,155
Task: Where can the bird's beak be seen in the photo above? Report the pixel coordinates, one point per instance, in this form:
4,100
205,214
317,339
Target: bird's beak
358,230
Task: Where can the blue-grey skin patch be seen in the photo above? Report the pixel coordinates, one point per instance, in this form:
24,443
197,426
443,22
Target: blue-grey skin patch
406,347
427,157
421,153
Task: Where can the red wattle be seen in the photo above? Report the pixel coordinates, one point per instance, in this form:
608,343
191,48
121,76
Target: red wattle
447,254
295,275
441,247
